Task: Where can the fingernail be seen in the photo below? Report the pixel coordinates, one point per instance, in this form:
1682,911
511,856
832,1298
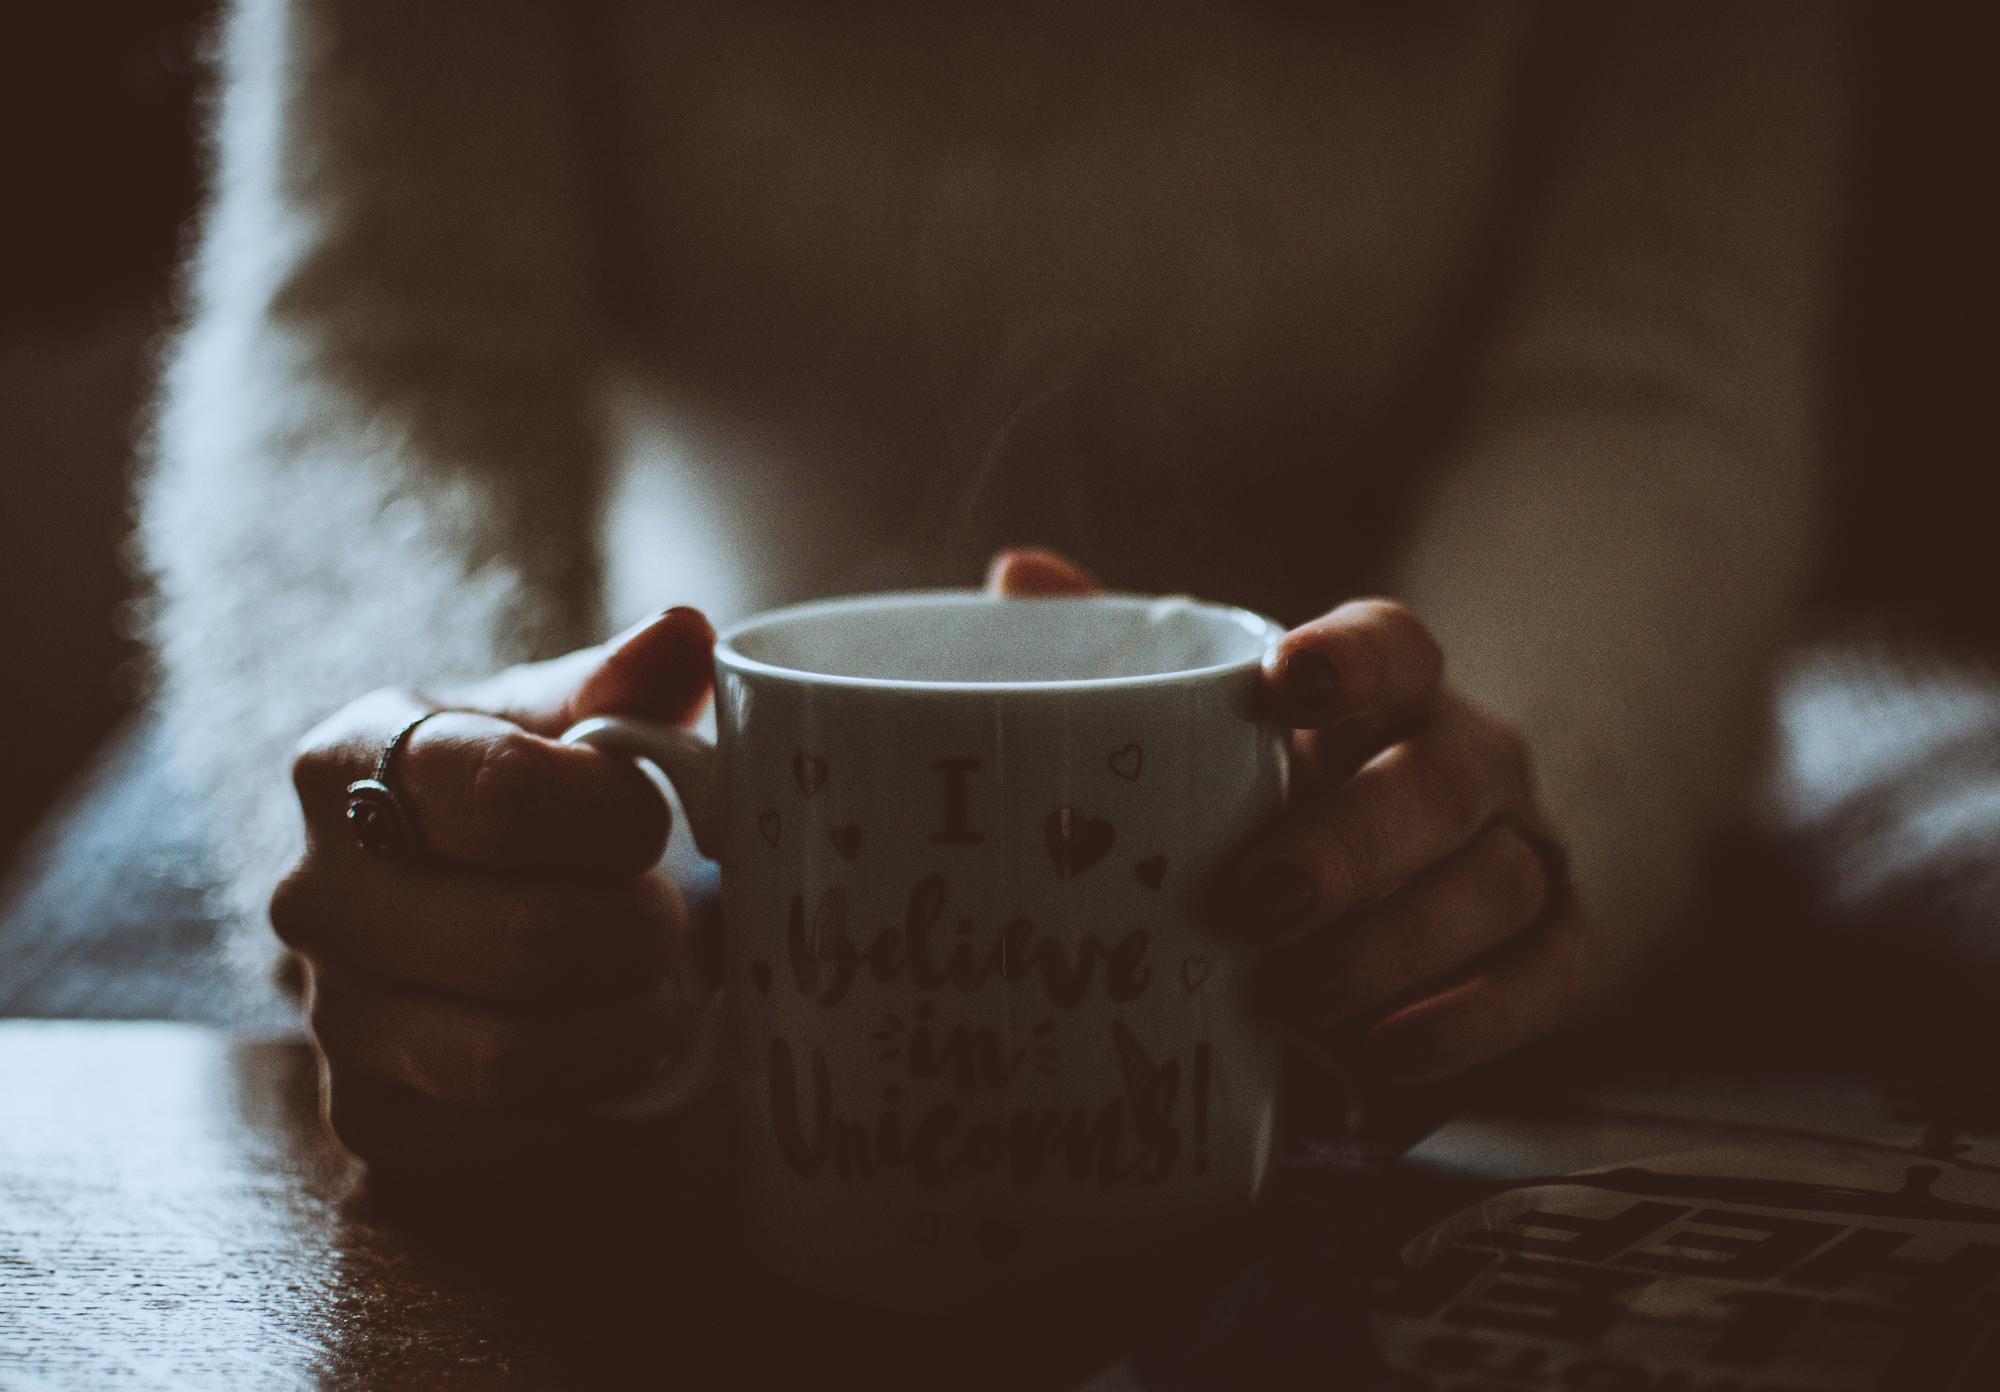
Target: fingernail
1279,894
687,616
1310,678
680,615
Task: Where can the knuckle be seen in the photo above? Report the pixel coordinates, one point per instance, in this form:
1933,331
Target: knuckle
293,909
1449,785
315,767
324,758
1399,628
1388,613
506,781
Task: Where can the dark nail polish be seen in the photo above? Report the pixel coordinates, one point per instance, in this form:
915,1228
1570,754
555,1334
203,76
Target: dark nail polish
1280,893
1310,678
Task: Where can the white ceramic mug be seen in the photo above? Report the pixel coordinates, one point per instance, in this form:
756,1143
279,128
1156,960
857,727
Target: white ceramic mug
985,1052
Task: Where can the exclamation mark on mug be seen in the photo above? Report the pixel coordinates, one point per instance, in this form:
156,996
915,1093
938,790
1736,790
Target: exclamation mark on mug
1200,1107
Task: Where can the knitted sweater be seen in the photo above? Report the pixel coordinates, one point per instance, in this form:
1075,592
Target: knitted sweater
513,320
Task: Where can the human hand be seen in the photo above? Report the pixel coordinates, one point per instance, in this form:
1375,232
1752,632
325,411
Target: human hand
1412,896
470,1001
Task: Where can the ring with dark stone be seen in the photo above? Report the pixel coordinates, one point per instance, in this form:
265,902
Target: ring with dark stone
379,822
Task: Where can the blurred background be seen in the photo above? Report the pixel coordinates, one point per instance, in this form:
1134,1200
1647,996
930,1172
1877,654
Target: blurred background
100,167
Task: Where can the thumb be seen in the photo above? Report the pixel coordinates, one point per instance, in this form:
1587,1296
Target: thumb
1022,571
656,670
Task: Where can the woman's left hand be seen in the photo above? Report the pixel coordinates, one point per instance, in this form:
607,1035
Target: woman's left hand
1412,896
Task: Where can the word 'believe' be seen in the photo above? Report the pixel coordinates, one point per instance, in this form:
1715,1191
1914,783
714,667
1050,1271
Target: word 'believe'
825,958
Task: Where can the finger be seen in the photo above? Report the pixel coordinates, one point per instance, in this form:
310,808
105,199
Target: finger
472,1054
483,792
1023,571
660,669
1548,979
1370,657
394,1127
1408,808
1447,916
1328,757
476,936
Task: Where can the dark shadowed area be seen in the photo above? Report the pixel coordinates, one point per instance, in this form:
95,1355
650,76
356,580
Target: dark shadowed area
98,165
1782,1158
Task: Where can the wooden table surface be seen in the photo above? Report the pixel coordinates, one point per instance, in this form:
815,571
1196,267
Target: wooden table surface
171,1215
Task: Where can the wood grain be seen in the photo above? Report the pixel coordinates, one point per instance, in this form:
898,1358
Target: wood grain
171,1215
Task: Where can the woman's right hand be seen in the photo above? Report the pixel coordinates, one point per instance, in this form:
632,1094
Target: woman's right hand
470,1003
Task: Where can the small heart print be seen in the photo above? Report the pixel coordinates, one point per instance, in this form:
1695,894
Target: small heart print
760,977
997,1238
1075,841
923,1228
768,827
1127,762
811,772
1151,871
1194,971
846,839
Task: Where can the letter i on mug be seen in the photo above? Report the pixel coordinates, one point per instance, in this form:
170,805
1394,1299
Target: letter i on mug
984,1052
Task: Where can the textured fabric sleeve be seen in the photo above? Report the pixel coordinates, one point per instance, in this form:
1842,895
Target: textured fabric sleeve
375,458
1620,543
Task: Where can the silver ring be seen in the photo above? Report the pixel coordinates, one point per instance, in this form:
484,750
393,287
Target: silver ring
380,822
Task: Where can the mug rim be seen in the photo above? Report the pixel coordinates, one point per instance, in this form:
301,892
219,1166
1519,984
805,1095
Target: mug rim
729,657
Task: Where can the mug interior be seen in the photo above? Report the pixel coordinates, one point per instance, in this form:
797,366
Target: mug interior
967,638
